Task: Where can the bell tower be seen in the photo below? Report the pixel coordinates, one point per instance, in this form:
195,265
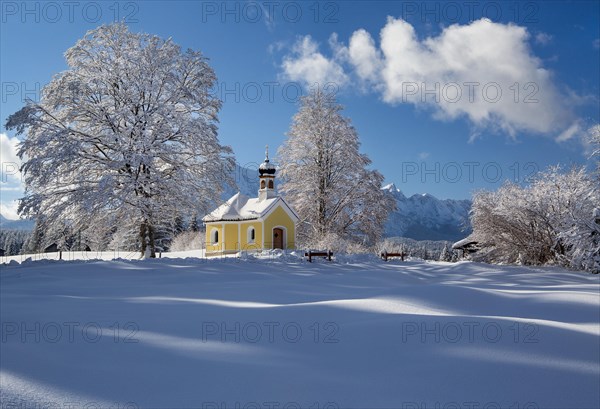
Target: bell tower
266,172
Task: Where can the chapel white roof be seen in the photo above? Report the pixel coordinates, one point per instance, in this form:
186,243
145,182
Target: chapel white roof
241,207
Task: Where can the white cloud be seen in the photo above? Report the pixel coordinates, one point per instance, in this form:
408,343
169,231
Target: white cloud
588,136
306,64
9,160
340,52
275,47
265,15
423,155
543,38
570,132
8,149
482,71
472,69
9,209
596,43
10,177
363,55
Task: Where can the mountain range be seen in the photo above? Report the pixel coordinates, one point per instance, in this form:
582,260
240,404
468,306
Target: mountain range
425,217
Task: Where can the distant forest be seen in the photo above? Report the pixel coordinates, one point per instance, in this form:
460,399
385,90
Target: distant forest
14,242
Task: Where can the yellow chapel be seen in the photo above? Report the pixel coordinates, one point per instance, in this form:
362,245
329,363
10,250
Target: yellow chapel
252,224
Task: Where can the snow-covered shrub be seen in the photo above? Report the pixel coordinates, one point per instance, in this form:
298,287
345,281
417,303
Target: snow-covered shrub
337,244
549,221
420,249
188,240
582,241
391,246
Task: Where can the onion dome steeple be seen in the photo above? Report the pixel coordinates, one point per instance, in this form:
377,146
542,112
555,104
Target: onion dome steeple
266,171
266,167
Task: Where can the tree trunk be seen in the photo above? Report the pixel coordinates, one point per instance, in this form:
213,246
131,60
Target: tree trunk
147,240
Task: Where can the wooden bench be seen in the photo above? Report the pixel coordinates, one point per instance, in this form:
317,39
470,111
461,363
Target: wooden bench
310,254
385,255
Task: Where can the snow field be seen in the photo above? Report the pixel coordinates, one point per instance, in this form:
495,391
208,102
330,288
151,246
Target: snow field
281,333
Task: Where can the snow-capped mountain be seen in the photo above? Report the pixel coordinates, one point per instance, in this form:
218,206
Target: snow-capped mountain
425,217
6,224
246,180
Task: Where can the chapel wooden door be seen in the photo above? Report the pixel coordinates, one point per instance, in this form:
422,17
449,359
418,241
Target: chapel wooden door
277,238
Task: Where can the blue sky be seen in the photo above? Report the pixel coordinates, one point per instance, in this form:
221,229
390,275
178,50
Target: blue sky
381,56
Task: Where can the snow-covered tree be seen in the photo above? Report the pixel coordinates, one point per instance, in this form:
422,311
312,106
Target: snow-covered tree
125,136
98,239
446,254
13,241
455,256
550,221
60,233
35,242
124,238
194,226
188,240
326,178
583,242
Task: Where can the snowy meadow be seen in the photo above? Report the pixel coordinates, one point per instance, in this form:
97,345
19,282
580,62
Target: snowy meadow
283,333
